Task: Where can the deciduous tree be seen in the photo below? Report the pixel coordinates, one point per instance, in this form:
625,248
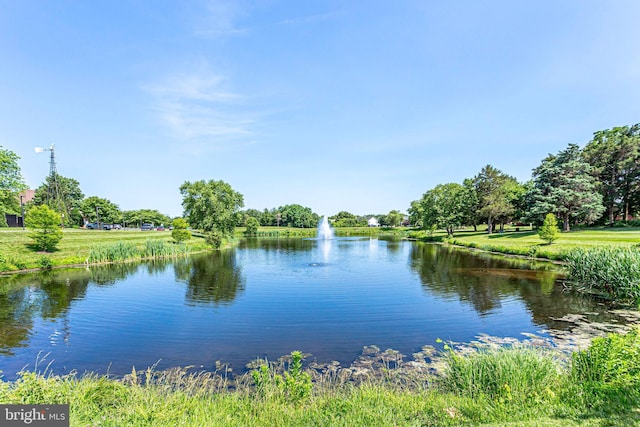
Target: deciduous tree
45,225
11,184
211,205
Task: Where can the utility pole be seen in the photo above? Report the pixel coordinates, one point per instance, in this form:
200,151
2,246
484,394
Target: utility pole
97,217
22,209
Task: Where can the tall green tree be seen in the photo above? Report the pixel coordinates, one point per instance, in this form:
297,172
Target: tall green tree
441,207
107,211
470,204
45,225
497,193
211,205
614,155
63,195
394,218
140,216
563,185
298,216
11,184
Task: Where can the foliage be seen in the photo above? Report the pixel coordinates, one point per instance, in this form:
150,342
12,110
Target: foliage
347,219
140,216
497,194
522,374
45,225
297,216
114,252
211,206
45,262
394,218
252,225
614,271
563,184
614,155
549,232
440,207
11,183
107,212
295,384
180,232
613,360
215,238
62,195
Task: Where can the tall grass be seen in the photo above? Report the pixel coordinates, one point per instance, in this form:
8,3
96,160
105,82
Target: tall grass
127,251
523,374
514,386
611,271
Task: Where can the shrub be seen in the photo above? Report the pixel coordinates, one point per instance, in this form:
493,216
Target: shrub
45,225
215,238
295,384
45,262
549,232
180,235
252,225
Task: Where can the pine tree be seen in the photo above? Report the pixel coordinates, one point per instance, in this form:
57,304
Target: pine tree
549,230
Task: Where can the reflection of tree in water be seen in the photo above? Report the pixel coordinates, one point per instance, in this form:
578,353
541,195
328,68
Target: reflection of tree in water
213,278
109,274
27,296
277,244
481,280
484,280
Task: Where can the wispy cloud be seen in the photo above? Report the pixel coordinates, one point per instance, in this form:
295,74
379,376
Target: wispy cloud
310,19
198,104
219,19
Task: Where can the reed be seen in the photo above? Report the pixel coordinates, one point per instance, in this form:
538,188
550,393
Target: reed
613,272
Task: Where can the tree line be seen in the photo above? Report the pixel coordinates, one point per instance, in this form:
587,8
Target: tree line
597,184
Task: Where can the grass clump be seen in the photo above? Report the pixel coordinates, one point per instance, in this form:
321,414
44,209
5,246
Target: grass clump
522,375
611,271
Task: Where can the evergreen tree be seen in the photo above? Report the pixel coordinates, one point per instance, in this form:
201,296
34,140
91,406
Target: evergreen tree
549,231
563,184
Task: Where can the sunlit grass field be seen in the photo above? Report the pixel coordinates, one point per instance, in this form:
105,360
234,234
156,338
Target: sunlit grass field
528,243
75,245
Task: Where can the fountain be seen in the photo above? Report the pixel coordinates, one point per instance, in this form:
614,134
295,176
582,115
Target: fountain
325,232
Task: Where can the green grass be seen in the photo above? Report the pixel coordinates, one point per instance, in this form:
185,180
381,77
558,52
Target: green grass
492,386
528,243
76,246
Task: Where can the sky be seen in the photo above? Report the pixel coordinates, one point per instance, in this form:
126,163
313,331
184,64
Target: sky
359,106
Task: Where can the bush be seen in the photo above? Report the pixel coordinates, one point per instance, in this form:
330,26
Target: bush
180,235
549,232
215,239
252,225
45,224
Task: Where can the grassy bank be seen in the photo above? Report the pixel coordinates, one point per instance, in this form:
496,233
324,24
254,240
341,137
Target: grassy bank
527,243
520,385
76,246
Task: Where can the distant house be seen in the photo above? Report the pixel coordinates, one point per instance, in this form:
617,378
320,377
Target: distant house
373,222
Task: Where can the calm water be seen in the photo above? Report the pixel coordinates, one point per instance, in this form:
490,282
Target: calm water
269,297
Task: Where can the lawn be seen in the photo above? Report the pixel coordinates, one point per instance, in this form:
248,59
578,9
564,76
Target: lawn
75,245
529,244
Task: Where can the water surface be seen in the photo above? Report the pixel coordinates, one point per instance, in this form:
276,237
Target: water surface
269,297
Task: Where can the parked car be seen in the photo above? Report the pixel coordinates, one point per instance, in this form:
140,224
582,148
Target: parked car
117,227
107,226
92,226
160,228
146,227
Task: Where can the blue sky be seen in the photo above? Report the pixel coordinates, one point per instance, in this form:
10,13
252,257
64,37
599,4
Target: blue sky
336,105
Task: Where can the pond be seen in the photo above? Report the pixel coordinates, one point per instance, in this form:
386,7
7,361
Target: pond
269,297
